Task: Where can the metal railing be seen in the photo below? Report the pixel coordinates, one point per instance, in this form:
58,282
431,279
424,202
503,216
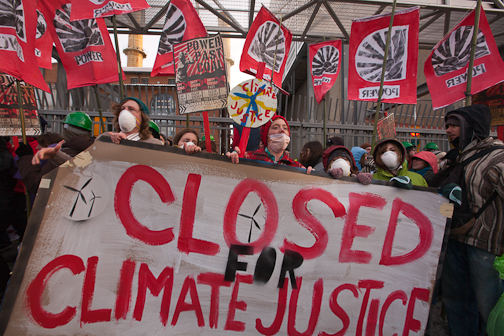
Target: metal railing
354,122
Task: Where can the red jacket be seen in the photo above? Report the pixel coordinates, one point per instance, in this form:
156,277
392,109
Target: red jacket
261,155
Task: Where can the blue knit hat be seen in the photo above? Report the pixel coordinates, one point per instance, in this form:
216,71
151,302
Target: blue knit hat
140,103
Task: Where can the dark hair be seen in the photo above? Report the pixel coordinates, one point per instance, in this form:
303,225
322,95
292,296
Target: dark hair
47,139
144,132
316,151
202,145
180,134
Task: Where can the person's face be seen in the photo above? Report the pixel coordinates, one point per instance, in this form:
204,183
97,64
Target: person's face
134,108
368,149
391,147
452,131
411,153
418,164
304,153
188,137
278,126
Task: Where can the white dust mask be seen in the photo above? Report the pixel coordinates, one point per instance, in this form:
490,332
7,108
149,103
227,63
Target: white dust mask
127,121
278,142
189,143
390,160
343,164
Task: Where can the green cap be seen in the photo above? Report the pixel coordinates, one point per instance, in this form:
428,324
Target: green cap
211,138
407,144
431,146
140,103
154,127
79,119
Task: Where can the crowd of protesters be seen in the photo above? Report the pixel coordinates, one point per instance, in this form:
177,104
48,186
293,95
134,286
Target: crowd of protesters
470,286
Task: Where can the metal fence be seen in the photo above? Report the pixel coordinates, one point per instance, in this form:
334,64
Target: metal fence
354,122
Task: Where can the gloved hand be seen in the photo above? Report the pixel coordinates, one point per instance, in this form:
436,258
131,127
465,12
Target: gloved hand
24,149
336,172
402,182
365,178
453,192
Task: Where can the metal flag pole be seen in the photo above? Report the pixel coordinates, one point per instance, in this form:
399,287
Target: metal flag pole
380,93
23,132
102,126
118,54
474,41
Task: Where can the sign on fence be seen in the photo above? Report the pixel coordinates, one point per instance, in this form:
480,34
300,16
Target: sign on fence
10,122
200,68
386,127
135,241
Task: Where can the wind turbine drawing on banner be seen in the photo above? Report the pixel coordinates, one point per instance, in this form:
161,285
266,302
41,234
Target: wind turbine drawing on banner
93,9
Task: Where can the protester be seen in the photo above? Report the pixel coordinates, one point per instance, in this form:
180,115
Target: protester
425,164
77,128
311,155
339,162
360,155
389,156
410,149
276,135
470,286
131,122
188,140
367,147
8,214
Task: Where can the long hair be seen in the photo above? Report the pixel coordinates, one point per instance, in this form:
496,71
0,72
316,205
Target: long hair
144,131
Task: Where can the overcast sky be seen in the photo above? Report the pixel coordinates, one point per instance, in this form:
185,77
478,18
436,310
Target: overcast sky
150,46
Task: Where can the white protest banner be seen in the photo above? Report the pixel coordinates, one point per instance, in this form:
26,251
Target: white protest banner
129,240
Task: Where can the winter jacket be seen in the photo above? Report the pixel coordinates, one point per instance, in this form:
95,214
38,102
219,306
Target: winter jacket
261,155
483,176
384,174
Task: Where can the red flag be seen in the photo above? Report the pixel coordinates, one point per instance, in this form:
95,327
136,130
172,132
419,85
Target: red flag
325,65
17,42
182,23
266,45
43,42
92,9
446,67
367,48
84,46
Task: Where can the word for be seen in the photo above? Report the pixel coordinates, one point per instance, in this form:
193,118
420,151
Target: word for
186,243
319,81
461,79
389,91
110,7
90,56
192,286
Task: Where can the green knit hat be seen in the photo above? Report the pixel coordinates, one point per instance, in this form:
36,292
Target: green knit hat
140,103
